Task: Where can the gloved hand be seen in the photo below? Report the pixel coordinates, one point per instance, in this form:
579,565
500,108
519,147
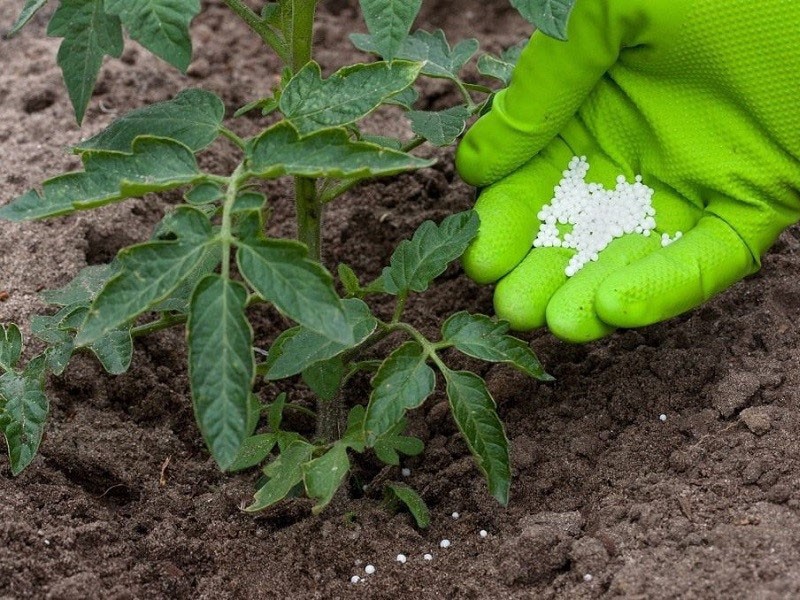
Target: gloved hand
700,98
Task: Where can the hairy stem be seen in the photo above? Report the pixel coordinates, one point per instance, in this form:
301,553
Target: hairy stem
309,216
166,321
301,39
226,229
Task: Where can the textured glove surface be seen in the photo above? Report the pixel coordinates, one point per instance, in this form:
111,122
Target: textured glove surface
697,96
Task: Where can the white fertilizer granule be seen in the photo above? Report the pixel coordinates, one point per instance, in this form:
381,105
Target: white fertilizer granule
593,215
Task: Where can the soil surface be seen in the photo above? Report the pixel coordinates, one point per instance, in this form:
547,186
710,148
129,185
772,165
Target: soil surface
608,498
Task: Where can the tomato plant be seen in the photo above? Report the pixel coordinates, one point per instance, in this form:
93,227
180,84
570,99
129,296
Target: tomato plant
209,260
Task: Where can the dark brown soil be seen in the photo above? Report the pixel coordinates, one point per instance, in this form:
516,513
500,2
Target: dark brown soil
607,501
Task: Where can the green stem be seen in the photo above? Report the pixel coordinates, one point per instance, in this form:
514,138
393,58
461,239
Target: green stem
164,322
401,305
428,347
226,229
258,25
302,25
233,137
309,216
471,106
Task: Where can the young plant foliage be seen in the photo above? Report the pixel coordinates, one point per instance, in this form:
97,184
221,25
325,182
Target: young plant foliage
548,16
389,22
328,153
23,412
431,49
210,260
440,128
161,26
418,261
89,35
403,383
474,411
193,118
30,8
311,103
153,165
221,365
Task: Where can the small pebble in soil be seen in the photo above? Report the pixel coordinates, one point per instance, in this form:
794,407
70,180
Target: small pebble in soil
369,569
401,558
405,472
483,533
355,579
588,577
662,417
455,515
444,544
428,557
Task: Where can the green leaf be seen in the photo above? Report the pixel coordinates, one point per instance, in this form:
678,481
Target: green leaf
275,412
60,345
221,365
481,337
500,68
440,128
148,274
284,473
420,260
253,451
403,382
474,412
204,193
327,153
249,201
84,286
193,118
323,476
155,165
349,279
114,351
325,377
31,8
161,26
311,103
393,441
298,348
23,412
178,299
10,346
413,501
406,98
354,434
389,22
548,16
302,289
432,49
89,34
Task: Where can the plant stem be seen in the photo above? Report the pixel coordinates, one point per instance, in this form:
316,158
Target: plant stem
226,228
302,33
309,216
330,419
401,305
232,136
258,25
164,322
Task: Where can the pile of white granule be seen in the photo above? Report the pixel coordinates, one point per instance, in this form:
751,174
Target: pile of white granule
596,215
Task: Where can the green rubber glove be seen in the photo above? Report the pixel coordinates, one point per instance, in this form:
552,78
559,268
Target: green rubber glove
700,97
